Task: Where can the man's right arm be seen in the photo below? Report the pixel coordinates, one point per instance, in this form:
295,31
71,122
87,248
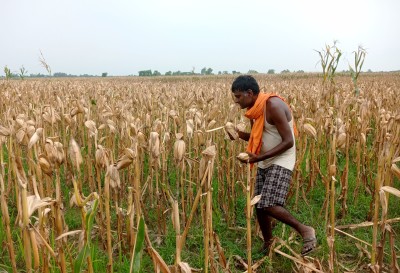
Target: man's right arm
243,135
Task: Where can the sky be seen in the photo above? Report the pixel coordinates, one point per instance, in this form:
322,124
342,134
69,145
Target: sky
124,37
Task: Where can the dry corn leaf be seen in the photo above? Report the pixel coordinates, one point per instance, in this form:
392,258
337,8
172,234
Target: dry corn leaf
113,174
45,212
166,138
4,131
73,201
341,140
158,260
123,162
222,259
141,139
397,159
374,268
231,131
157,125
255,200
179,150
51,151
21,136
40,241
30,130
75,153
257,264
45,165
394,264
184,267
198,118
210,151
172,113
69,233
101,157
211,124
189,127
178,136
395,170
91,125
384,204
239,262
199,138
310,130
68,119
154,144
34,202
126,159
60,155
391,190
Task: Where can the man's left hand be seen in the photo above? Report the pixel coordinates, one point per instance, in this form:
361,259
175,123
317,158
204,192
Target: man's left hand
252,158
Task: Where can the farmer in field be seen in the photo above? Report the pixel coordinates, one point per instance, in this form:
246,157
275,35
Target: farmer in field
272,146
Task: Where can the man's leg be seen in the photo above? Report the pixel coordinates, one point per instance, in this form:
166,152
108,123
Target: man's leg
307,232
264,220
281,214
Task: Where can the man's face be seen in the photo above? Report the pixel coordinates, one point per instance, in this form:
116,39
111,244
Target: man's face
243,98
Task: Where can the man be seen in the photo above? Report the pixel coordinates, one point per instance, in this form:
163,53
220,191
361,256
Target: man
272,147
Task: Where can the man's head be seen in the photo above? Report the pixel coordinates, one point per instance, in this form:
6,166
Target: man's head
245,91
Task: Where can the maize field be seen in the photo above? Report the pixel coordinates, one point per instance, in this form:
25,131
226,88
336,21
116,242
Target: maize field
139,175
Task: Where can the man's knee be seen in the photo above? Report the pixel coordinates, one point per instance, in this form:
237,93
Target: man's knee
272,210
259,211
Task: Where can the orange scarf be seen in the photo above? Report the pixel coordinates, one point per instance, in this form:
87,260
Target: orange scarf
257,113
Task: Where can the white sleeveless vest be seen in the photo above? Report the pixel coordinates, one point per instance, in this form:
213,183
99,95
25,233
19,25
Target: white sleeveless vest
270,139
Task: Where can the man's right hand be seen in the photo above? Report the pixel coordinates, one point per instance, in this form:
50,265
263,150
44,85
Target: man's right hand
234,137
231,130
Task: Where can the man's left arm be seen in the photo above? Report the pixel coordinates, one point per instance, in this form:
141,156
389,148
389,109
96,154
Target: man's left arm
278,116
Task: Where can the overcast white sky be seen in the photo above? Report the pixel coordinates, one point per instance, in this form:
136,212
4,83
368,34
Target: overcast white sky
123,37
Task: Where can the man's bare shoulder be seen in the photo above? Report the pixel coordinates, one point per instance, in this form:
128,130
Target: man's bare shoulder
275,103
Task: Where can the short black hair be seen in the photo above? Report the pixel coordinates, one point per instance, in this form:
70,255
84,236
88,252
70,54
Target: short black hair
244,83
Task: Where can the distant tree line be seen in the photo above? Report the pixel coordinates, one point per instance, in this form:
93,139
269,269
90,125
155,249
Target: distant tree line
208,71
10,75
65,75
22,73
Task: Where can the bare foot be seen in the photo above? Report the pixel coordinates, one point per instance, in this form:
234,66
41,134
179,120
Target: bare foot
266,246
309,241
308,232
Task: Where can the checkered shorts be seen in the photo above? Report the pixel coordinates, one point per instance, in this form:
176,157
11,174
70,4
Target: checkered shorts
273,185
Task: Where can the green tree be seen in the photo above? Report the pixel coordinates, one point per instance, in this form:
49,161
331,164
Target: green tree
168,73
271,71
156,73
176,73
145,73
104,74
251,71
60,74
285,71
209,71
